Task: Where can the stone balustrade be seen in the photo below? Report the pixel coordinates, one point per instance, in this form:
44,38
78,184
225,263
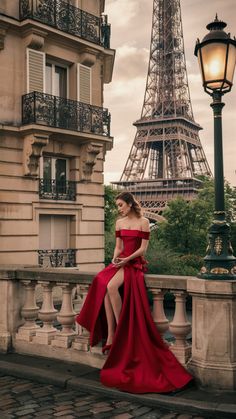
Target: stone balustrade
36,320
179,327
36,326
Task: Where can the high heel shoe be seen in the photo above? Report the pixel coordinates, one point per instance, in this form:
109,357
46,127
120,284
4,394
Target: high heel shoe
106,348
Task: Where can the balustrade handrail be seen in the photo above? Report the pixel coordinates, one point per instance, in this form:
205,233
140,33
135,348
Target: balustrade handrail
166,282
54,111
74,276
67,18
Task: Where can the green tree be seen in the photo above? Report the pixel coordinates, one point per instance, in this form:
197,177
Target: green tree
187,223
110,208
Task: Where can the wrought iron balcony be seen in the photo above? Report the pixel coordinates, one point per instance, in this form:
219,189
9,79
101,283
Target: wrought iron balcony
54,111
58,190
67,18
55,258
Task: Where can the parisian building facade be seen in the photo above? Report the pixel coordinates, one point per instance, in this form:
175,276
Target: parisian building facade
55,58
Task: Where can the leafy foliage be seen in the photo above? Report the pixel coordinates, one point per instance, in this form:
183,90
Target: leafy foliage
178,246
109,246
110,208
163,260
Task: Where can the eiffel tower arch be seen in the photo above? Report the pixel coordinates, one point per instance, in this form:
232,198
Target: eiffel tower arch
166,155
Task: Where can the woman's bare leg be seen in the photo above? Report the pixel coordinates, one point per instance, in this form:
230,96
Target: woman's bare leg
110,319
113,292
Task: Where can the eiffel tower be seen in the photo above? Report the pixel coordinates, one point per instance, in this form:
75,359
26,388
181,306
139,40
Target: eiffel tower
166,155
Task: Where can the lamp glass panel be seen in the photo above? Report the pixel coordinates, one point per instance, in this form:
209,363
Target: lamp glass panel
231,63
200,65
213,61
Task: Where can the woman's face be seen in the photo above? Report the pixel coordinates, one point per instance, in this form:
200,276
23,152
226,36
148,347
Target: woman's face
123,207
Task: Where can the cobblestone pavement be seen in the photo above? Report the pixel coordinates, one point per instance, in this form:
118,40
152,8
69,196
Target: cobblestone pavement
26,399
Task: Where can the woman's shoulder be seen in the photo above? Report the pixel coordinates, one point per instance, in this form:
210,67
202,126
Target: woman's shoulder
119,223
145,224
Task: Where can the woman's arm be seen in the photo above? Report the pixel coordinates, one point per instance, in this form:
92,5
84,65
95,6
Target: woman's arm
119,245
140,252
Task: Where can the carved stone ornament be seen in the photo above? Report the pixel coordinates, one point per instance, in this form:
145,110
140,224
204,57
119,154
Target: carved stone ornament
88,157
3,32
34,38
33,146
88,57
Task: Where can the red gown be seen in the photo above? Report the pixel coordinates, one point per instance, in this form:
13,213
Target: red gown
139,360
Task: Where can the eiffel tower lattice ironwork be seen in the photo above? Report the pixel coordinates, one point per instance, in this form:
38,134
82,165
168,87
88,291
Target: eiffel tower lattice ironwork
166,155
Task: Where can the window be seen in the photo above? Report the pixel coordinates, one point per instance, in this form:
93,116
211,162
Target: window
54,241
45,77
55,168
56,80
53,182
54,171
54,232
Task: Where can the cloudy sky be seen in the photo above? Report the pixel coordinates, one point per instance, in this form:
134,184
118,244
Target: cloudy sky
131,30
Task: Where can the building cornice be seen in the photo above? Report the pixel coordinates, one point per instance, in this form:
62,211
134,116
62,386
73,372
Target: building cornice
59,133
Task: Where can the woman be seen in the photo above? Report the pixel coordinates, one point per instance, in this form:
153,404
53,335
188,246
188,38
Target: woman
117,309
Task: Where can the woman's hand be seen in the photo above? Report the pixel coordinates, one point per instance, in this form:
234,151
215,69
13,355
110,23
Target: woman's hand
120,262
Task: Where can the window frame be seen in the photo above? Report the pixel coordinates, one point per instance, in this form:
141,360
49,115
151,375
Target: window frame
54,158
54,64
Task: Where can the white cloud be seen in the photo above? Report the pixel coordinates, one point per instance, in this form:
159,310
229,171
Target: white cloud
123,10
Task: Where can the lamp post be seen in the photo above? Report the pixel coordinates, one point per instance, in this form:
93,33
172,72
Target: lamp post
217,57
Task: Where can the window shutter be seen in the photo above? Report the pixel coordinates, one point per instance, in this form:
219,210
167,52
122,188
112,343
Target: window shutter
35,71
84,83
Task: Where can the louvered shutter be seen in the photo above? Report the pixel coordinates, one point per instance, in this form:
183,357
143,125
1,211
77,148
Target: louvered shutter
84,83
35,71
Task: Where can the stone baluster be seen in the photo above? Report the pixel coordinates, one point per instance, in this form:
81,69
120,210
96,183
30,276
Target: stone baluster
66,317
82,339
29,312
47,314
180,328
158,312
77,304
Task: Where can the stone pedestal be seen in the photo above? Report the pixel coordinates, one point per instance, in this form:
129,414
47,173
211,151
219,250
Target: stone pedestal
180,328
11,301
213,360
29,312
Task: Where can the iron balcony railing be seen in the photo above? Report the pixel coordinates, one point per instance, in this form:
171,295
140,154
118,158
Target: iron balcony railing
55,258
67,18
54,111
58,190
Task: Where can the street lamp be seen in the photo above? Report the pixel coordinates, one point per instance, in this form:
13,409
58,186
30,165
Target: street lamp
217,57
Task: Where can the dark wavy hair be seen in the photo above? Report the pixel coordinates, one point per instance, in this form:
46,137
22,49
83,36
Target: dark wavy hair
130,200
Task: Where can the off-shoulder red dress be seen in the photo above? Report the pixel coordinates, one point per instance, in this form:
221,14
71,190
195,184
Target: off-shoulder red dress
139,360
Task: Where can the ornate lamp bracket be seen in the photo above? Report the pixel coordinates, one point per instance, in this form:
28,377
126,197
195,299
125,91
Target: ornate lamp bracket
89,153
33,146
